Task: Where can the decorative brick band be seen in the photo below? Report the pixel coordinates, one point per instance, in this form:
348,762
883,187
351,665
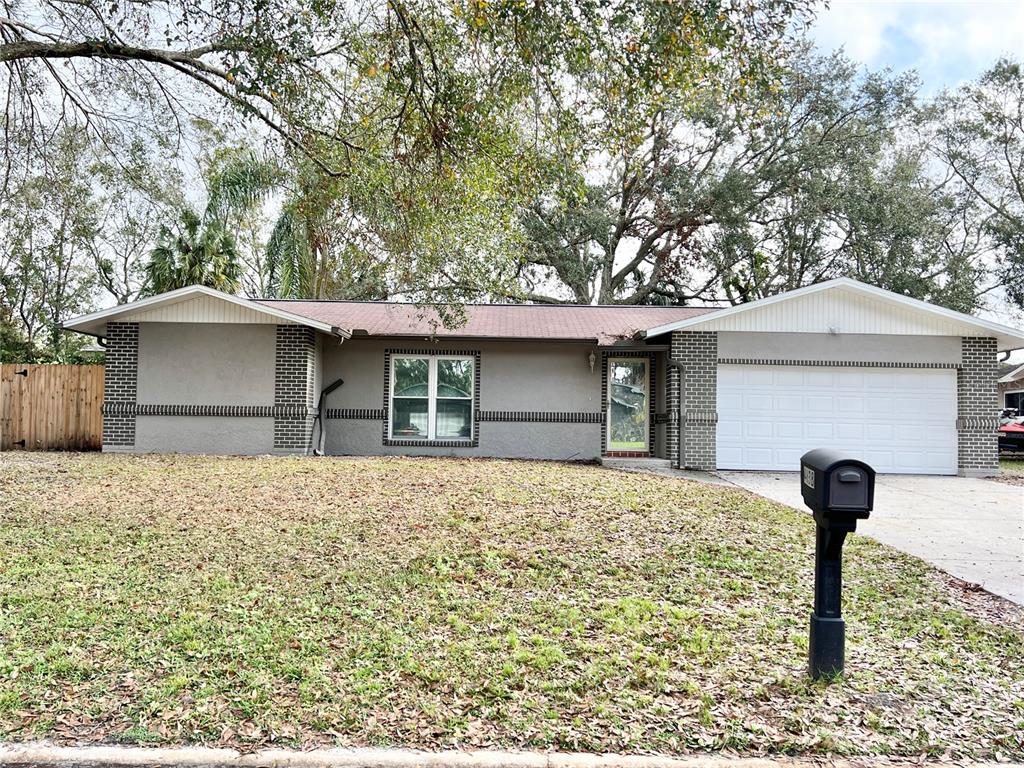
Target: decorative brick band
385,411
355,414
833,363
702,417
977,423
627,454
568,417
433,443
120,383
241,411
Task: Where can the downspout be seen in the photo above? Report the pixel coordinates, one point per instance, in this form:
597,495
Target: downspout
319,423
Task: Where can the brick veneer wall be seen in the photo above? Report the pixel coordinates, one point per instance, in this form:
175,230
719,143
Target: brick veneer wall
294,371
977,407
120,385
697,386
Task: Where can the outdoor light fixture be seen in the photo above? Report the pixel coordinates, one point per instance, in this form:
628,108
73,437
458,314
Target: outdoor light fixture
593,359
840,491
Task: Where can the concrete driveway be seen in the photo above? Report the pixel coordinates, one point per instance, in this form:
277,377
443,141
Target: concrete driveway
970,528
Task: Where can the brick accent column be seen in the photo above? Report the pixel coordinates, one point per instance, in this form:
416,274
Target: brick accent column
977,408
696,392
673,377
120,385
295,356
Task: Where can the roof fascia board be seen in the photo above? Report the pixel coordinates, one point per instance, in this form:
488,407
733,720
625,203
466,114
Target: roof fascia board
446,338
844,282
1013,375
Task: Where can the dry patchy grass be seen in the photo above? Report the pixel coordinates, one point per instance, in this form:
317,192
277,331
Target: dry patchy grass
1011,470
442,602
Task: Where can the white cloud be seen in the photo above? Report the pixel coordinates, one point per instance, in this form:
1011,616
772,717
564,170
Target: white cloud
945,42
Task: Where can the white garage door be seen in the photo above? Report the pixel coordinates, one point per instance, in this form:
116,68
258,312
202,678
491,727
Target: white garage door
897,420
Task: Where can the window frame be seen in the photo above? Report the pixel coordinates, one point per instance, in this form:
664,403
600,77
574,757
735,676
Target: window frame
432,397
610,361
1019,392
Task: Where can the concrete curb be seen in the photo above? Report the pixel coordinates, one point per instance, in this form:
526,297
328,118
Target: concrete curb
50,756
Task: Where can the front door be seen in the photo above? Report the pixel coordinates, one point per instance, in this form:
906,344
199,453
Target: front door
628,405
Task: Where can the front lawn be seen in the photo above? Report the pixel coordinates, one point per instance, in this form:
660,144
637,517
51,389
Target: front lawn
434,603
1011,470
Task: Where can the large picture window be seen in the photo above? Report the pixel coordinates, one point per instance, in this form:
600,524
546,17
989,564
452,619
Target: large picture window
431,397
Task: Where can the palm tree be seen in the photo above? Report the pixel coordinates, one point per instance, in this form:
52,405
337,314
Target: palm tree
193,253
308,253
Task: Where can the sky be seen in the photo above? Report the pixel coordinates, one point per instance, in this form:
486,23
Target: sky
945,42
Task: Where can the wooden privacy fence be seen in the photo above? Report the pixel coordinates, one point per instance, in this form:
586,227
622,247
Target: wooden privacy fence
51,407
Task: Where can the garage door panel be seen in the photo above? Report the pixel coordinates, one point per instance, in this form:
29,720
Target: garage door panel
897,420
789,403
789,429
880,406
850,431
756,402
730,428
758,377
757,455
819,377
815,403
820,431
793,377
757,429
886,432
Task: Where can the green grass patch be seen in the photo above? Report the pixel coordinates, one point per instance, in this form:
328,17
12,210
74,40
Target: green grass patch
438,603
1012,466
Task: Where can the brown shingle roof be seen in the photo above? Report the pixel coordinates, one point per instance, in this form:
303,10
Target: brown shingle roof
605,324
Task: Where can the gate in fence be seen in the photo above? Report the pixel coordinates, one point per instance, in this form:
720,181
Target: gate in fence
51,407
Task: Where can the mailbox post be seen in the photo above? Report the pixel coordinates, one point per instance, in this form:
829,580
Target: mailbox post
840,491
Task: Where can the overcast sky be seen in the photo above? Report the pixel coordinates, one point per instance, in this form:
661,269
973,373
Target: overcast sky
945,42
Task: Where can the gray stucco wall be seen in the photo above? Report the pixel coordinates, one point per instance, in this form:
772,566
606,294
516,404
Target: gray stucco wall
205,364
515,377
192,364
843,346
204,434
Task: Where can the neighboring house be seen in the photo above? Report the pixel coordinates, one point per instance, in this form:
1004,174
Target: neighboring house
1011,389
905,385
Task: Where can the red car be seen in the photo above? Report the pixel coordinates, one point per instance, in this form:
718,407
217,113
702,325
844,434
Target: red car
1011,435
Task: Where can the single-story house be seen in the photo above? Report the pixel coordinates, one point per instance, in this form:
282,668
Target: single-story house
908,386
1010,388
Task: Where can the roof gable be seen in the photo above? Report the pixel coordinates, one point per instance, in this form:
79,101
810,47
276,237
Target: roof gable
847,306
192,304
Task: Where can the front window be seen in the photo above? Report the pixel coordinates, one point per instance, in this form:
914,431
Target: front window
1014,400
431,397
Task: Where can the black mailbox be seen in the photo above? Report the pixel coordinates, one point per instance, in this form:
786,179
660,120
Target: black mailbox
836,487
840,491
